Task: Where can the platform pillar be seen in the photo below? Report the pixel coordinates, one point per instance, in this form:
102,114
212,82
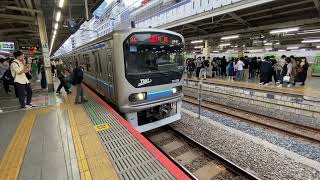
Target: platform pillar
45,50
206,50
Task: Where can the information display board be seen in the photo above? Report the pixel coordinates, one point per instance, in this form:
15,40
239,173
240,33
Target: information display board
7,46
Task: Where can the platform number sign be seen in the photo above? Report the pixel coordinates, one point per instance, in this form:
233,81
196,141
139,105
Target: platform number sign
101,127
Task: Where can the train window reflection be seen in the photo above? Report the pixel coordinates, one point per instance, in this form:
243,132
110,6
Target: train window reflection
153,58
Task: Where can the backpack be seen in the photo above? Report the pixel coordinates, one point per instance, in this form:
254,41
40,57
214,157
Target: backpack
8,76
206,63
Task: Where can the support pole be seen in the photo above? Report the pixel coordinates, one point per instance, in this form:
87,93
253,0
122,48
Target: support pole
87,11
45,50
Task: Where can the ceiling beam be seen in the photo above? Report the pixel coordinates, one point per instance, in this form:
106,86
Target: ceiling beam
23,9
9,30
241,20
18,17
317,4
195,28
261,28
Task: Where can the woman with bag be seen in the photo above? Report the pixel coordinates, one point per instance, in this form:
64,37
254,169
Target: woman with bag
286,73
302,71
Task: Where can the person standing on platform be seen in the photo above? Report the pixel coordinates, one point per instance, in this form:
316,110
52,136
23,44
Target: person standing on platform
302,71
246,62
239,67
35,69
22,84
206,65
199,66
286,72
274,69
293,72
230,70
265,71
214,67
224,64
76,81
190,67
61,76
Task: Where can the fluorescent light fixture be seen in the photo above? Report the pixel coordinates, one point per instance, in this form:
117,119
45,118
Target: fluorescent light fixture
218,51
61,2
236,46
282,50
265,41
230,37
268,44
56,26
310,41
311,31
197,41
286,30
58,16
277,43
225,44
268,49
302,49
54,32
318,46
293,47
255,50
198,47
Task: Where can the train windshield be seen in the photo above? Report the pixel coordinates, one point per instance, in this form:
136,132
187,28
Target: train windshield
147,53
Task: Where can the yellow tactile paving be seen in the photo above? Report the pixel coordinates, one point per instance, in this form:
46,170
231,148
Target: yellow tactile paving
92,159
14,154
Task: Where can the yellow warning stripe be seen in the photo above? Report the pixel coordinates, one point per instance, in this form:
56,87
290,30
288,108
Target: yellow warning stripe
93,162
14,154
82,161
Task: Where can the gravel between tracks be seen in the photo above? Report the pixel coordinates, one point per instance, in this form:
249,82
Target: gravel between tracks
266,163
297,145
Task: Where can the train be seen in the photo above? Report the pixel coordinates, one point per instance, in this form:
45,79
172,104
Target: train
139,71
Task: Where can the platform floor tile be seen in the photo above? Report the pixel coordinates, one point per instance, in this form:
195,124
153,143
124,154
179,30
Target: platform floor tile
129,157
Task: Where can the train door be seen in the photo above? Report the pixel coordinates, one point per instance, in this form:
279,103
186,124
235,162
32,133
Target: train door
104,72
98,69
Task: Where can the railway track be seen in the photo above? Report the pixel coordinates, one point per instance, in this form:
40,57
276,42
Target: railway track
298,130
197,160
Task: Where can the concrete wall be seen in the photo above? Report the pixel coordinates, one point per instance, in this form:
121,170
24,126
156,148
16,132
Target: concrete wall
293,108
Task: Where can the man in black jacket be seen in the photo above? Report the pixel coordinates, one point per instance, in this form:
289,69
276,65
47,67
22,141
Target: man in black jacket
61,75
77,80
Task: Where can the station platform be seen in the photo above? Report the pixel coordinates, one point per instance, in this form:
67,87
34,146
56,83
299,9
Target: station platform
61,140
311,88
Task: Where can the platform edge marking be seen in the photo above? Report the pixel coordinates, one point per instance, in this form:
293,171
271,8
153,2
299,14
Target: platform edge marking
168,164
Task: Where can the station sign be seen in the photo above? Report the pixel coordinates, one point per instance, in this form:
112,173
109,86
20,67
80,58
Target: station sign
7,46
29,48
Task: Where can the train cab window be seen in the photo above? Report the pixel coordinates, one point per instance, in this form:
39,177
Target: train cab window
153,53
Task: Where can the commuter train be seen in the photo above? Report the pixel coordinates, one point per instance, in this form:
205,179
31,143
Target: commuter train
139,71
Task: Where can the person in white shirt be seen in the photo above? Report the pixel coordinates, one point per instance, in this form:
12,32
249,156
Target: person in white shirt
21,82
239,68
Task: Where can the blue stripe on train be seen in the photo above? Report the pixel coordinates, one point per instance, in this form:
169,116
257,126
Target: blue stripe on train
159,94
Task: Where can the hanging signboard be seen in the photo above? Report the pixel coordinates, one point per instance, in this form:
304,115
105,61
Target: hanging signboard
7,46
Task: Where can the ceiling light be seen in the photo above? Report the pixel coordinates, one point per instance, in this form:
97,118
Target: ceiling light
293,47
225,44
198,47
61,3
230,37
310,41
318,46
54,32
56,26
286,30
277,43
255,50
268,44
197,41
58,15
218,51
282,50
268,49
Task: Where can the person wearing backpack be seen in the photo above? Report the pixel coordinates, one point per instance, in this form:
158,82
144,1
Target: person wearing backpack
21,82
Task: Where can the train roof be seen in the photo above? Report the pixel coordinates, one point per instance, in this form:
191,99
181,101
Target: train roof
122,31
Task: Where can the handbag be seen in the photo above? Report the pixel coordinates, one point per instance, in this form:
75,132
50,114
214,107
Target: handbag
28,75
286,78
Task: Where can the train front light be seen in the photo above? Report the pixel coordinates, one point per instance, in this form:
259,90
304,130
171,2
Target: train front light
138,97
176,90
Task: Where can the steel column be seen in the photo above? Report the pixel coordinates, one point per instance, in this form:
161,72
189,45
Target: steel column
45,51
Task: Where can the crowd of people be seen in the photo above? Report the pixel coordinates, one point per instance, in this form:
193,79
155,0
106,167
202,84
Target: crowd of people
16,75
268,70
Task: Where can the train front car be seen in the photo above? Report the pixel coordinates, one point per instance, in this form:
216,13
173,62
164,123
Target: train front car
150,94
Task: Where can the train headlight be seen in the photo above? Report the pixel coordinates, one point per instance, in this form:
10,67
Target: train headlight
176,90
138,97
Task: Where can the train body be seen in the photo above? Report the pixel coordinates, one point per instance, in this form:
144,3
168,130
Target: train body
139,71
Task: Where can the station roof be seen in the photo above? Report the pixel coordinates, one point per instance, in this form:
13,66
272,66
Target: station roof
253,22
18,22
